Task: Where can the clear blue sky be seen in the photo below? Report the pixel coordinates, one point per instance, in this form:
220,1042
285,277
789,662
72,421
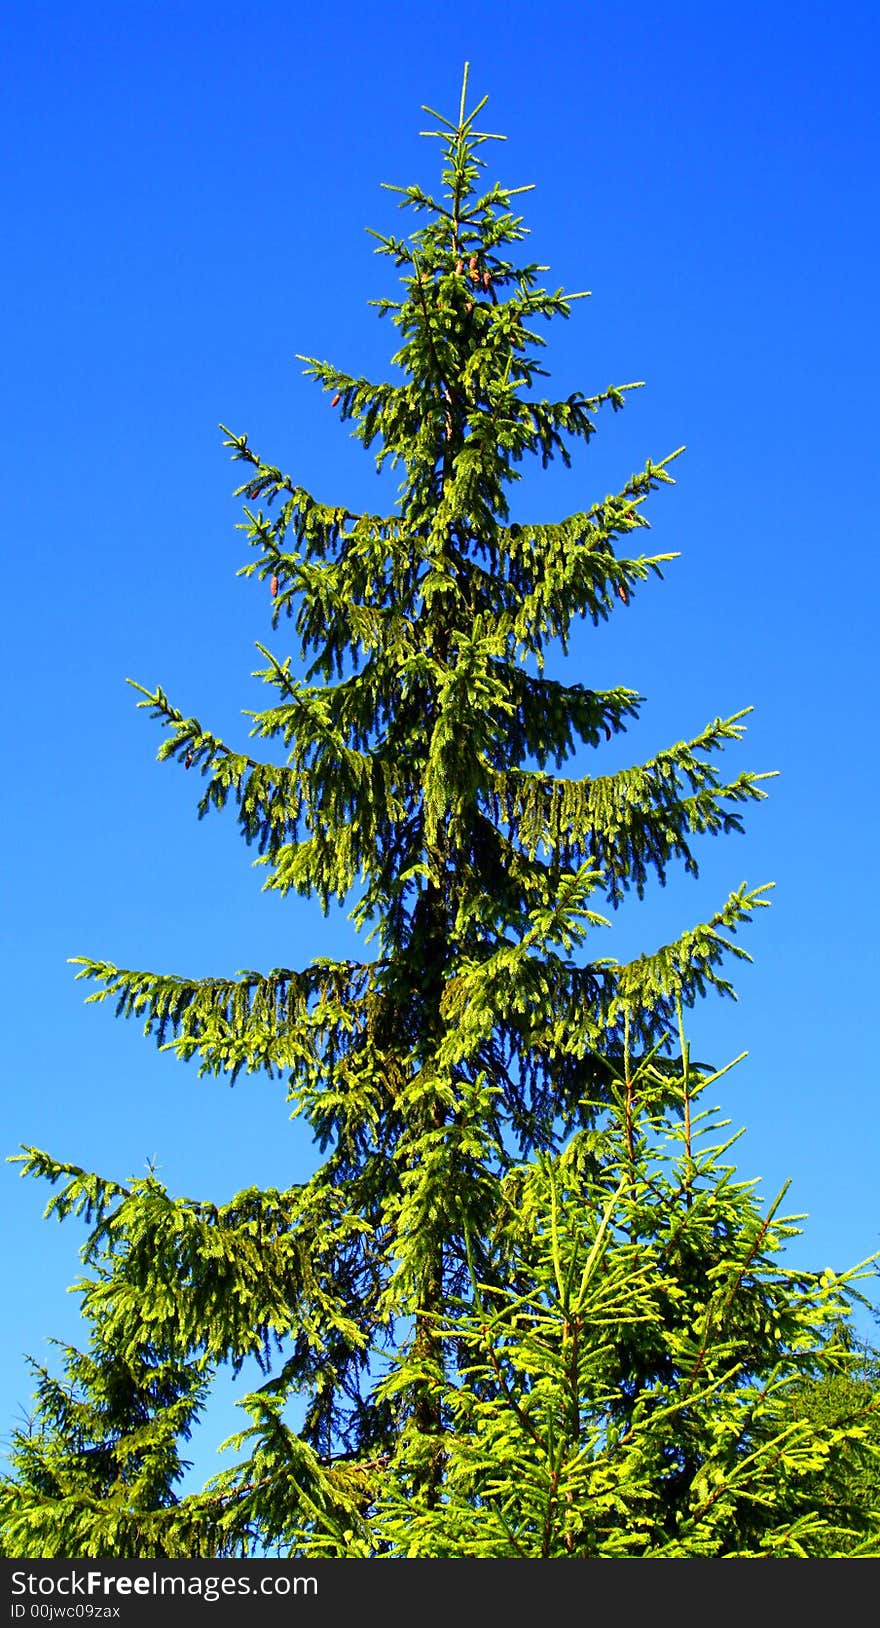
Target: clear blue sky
185,191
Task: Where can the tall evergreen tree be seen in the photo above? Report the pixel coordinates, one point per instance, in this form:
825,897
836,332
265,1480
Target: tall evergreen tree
421,784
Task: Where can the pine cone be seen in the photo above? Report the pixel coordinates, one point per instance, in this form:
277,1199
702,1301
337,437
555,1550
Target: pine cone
274,585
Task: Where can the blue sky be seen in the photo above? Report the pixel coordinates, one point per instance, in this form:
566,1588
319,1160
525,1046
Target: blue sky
184,201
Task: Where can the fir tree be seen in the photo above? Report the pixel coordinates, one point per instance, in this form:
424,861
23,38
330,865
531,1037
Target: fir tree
421,785
846,1488
643,1378
99,1458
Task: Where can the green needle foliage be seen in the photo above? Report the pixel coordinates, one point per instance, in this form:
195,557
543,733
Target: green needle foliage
513,1311
97,1463
642,1378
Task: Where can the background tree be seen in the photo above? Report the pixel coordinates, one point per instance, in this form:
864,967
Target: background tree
100,1454
847,1486
422,735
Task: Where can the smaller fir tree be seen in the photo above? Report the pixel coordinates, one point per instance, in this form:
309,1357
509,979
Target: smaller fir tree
642,1377
847,1486
96,1466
